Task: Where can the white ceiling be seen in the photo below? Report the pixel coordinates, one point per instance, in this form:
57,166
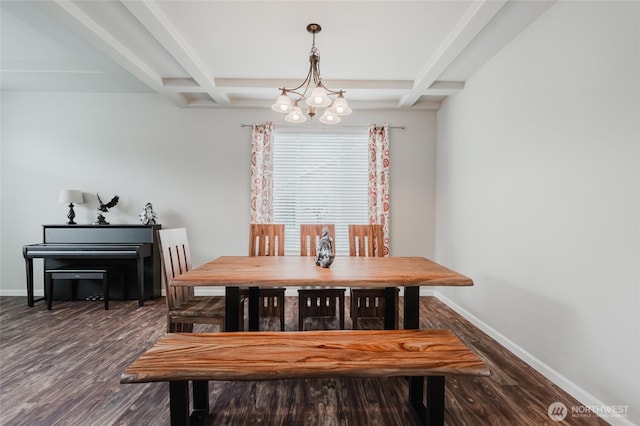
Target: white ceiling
384,54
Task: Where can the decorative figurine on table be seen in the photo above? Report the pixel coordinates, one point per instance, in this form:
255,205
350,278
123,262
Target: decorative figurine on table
147,215
103,208
325,252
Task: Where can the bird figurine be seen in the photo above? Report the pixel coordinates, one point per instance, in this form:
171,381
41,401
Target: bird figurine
104,207
325,252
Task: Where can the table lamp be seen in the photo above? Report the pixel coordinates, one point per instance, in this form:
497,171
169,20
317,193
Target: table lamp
71,196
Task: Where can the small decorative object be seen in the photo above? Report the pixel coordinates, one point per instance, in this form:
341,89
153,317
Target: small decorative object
71,196
147,215
103,208
325,252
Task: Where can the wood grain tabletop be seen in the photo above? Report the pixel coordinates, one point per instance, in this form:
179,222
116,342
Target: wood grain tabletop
273,271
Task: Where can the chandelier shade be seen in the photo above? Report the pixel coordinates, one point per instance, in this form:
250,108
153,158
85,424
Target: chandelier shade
296,115
319,96
340,106
283,103
330,117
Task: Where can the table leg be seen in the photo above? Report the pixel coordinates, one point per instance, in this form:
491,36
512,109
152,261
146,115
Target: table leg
341,302
412,308
232,309
390,308
254,308
141,280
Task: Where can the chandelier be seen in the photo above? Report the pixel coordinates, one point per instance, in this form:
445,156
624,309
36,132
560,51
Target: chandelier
319,96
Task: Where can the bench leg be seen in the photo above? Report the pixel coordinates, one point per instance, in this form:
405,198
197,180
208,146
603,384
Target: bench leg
431,414
179,403
435,400
200,400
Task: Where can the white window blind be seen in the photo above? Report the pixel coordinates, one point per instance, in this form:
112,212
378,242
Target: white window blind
319,178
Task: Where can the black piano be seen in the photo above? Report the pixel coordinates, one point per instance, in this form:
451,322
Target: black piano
132,248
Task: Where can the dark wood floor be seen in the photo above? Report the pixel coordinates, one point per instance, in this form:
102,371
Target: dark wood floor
63,367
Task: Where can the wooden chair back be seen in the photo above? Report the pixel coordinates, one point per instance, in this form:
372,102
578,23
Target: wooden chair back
366,240
176,259
266,239
310,235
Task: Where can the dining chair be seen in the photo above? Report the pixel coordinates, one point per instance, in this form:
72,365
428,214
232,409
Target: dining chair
268,240
317,302
368,240
184,309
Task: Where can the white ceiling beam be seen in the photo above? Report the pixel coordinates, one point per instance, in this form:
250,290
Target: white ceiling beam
108,44
474,20
332,84
356,105
156,22
445,88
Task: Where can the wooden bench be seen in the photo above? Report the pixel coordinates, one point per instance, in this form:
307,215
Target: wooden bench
199,357
74,274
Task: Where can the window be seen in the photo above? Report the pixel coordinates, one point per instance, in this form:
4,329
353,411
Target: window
320,178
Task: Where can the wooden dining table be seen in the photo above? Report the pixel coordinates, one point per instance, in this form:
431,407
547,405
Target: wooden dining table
254,272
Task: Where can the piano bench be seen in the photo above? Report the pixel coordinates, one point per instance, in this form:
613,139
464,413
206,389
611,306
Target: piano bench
85,273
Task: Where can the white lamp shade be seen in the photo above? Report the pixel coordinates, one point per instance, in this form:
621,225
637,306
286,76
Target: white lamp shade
318,98
296,116
283,104
340,106
330,117
71,196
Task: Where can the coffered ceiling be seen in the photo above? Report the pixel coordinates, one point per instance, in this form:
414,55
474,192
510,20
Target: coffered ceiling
384,54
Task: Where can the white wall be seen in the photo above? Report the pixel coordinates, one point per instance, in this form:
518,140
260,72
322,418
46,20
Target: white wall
538,190
193,165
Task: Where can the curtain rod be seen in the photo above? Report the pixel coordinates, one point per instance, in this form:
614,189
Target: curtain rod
403,127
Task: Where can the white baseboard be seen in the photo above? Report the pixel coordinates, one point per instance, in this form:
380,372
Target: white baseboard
565,384
18,293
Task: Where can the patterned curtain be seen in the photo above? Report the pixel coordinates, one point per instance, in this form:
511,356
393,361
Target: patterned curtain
379,179
262,173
